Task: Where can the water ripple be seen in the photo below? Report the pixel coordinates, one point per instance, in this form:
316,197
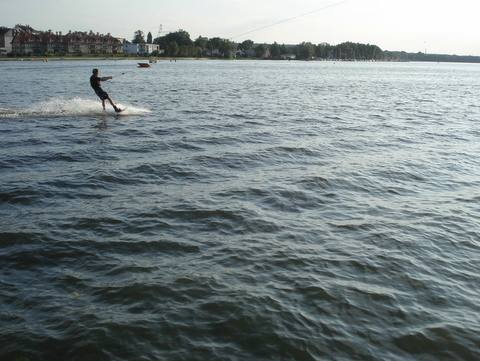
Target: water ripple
308,220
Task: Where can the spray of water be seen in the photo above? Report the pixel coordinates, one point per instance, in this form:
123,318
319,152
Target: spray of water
61,107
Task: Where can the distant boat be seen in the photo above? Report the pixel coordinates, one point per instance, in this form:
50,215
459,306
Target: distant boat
144,65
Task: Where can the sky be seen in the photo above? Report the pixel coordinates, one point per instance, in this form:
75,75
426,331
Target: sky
437,27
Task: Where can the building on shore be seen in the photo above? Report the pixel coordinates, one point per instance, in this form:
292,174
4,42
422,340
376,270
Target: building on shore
6,37
141,48
28,41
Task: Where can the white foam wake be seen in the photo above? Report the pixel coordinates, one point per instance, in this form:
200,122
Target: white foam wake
60,107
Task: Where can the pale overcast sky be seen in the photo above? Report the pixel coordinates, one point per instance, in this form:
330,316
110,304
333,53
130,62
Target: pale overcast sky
442,27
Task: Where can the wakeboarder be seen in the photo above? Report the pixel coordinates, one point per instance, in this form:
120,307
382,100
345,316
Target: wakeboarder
102,94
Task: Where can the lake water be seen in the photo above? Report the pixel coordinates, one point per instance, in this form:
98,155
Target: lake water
240,210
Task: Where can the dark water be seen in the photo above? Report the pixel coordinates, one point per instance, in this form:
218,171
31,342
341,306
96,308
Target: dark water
240,211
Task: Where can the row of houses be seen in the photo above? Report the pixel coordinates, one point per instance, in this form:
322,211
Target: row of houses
25,40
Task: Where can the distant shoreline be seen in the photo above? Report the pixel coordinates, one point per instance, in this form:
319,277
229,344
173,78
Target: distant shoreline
46,59
433,58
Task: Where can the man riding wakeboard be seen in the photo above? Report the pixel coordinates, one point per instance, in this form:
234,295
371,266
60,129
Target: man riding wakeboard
102,94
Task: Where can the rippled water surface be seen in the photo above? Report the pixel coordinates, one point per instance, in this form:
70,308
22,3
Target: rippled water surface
240,210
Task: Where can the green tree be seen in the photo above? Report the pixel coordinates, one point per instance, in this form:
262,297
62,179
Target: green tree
161,41
322,50
275,51
189,50
199,52
149,38
226,48
173,48
181,37
375,52
201,42
214,43
245,45
305,50
139,37
260,50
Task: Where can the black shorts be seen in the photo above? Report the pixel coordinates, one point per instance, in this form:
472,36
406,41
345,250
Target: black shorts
102,94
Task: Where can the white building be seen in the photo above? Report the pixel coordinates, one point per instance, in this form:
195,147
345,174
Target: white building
142,48
6,37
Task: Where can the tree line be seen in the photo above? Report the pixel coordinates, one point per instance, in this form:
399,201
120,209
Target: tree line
404,56
179,44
